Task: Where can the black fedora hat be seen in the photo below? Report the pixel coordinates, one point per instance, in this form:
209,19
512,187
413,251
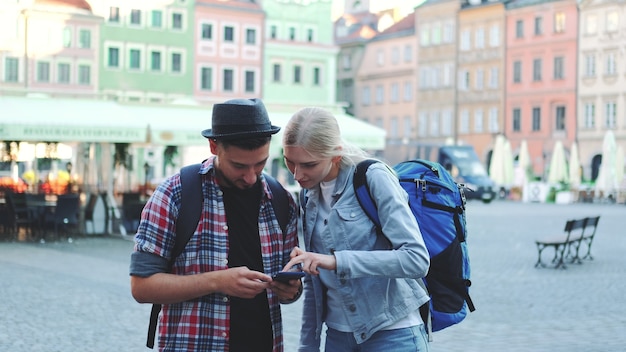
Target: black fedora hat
240,118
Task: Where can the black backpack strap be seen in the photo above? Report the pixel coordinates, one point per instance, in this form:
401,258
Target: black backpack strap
280,202
186,224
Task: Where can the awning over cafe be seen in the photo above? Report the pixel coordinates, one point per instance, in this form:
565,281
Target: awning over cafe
68,120
173,125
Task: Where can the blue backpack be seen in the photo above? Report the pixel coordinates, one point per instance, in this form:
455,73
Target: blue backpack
438,204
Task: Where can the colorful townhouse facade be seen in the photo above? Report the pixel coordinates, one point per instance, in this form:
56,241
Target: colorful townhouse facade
436,93
385,86
541,78
601,81
300,55
228,50
48,47
480,86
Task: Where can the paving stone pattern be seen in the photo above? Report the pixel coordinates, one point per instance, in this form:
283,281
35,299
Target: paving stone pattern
61,296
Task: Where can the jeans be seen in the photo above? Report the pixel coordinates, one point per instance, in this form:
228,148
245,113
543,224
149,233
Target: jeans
411,339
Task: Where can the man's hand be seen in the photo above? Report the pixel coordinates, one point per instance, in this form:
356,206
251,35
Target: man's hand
286,291
242,282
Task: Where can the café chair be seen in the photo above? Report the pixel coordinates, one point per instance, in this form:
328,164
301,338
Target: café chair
65,215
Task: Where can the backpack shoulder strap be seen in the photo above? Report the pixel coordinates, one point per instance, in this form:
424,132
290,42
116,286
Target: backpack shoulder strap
186,223
190,207
280,202
362,191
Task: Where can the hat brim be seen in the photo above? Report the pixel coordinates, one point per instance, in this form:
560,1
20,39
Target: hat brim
208,133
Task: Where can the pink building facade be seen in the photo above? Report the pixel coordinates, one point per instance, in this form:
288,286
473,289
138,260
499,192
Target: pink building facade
541,62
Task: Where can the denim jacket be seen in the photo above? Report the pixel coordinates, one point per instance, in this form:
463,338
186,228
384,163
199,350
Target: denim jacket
376,274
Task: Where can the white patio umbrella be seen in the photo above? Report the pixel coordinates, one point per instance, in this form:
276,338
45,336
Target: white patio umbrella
619,166
558,165
507,164
574,167
496,164
523,170
606,183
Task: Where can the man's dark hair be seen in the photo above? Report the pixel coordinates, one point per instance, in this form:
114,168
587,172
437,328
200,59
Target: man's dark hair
247,144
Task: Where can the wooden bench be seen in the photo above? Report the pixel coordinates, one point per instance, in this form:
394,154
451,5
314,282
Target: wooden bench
586,237
572,235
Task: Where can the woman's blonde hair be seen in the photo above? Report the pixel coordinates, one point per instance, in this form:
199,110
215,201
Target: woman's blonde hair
317,131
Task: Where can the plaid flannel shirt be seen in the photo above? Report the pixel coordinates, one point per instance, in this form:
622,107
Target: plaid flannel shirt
203,324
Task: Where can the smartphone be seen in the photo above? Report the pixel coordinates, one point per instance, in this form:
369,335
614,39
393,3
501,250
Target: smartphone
285,276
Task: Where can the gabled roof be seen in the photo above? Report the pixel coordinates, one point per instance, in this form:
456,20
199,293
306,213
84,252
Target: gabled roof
77,4
405,26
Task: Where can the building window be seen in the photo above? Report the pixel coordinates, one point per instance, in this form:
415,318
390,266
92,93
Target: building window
395,93
134,59
297,74
494,36
408,53
114,14
478,121
408,91
177,21
466,40
84,74
591,24
538,25
67,37
206,78
84,38
380,94
558,67
310,35
537,70
611,114
229,34
480,78
448,32
590,115
63,73
536,119
155,61
207,31
249,82
464,125
316,76
177,62
135,17
611,64
480,38
494,78
273,31
292,33
435,34
114,57
446,123
517,72
612,21
43,71
251,36
590,65
229,82
559,22
560,118
425,36
395,55
366,96
276,73
157,19
493,120
517,120
519,29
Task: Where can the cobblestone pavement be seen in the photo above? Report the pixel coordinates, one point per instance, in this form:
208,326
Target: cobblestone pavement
62,296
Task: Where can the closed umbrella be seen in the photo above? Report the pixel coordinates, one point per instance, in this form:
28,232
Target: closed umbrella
496,164
606,183
558,166
619,166
574,167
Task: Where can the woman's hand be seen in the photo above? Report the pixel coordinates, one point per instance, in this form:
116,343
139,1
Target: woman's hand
311,261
